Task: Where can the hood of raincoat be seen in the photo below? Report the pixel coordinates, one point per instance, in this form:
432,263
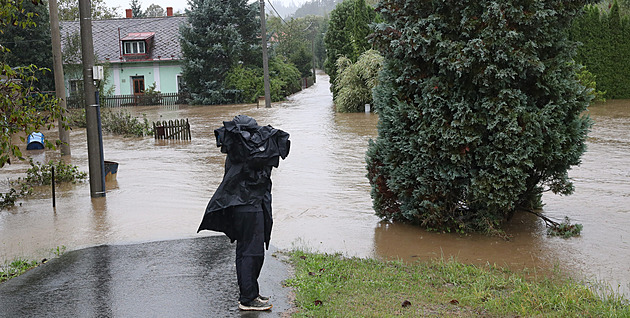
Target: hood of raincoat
252,152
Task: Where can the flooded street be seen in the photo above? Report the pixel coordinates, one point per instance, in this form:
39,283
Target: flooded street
321,197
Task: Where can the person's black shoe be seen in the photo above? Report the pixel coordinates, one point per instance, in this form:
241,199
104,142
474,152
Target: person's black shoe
255,305
263,299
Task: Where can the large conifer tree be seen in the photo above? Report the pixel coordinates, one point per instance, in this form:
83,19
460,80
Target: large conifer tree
480,110
22,108
219,36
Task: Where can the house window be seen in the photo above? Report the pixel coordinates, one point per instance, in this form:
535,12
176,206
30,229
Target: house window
76,87
180,83
134,47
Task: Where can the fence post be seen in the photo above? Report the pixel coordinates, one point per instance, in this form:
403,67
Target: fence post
188,129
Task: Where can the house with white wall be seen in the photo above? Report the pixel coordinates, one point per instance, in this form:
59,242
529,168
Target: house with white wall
137,53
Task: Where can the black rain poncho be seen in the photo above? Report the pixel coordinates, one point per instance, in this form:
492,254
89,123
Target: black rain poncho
252,151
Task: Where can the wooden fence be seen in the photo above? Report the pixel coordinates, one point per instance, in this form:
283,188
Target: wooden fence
177,129
76,101
143,100
306,82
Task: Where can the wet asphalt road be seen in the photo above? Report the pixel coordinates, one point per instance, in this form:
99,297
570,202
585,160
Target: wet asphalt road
178,278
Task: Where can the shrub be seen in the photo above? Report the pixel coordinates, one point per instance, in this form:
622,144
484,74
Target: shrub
480,110
347,35
9,198
122,123
588,79
356,81
41,174
76,118
284,80
249,81
151,96
37,175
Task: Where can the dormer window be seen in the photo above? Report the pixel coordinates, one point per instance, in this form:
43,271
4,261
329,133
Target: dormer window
137,45
134,47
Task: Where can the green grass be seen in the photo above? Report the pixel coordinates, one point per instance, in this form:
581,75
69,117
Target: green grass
20,266
16,268
336,286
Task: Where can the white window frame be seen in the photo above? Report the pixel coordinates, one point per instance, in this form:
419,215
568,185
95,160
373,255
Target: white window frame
134,47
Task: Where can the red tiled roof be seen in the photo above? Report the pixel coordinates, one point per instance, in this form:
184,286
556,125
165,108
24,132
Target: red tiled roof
138,36
107,36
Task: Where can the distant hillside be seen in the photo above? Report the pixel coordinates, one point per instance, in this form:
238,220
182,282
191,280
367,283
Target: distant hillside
282,9
316,7
313,7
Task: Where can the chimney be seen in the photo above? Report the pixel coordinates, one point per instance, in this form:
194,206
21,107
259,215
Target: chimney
129,13
169,11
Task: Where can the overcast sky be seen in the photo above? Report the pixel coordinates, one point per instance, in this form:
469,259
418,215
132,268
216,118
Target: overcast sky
178,5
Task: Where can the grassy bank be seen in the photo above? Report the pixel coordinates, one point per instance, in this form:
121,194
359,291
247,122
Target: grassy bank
19,266
16,268
335,286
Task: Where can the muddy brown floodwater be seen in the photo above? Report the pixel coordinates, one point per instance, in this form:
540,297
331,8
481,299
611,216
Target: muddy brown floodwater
321,197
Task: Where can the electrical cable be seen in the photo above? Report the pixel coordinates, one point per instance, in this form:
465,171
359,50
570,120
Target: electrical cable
276,11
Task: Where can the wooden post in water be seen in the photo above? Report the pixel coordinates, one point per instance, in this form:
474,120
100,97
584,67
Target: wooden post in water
52,172
188,129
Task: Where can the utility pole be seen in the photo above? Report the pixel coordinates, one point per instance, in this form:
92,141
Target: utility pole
313,51
264,51
60,86
92,111
313,32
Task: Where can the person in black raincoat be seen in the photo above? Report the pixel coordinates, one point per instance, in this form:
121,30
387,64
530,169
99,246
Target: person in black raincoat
241,205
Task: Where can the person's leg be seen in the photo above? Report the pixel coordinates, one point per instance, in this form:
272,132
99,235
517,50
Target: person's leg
249,260
258,253
241,274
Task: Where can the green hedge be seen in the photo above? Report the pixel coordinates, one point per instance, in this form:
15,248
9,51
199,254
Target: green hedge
605,43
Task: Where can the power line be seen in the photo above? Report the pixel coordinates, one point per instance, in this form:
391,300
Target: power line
276,11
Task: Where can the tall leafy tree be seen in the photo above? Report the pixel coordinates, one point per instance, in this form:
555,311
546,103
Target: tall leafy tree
347,34
297,39
153,11
69,10
22,109
136,9
219,36
480,110
303,60
31,45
